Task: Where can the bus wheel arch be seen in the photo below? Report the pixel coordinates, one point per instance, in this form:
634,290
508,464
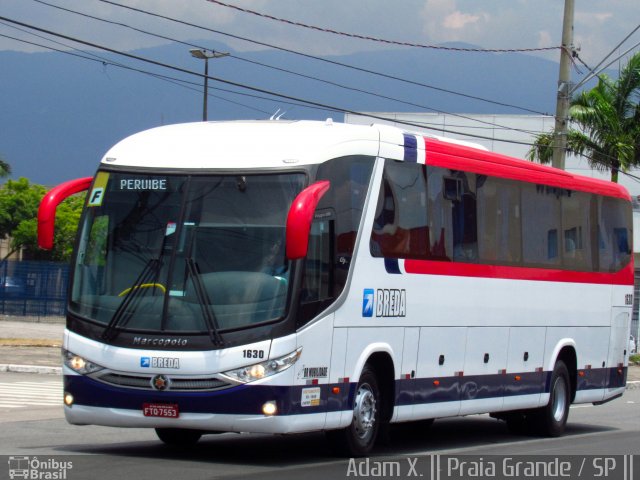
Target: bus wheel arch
382,364
565,350
568,356
372,409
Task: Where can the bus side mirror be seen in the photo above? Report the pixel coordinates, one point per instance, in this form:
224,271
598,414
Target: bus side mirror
48,205
300,218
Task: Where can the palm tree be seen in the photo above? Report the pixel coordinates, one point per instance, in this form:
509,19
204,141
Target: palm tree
608,121
5,169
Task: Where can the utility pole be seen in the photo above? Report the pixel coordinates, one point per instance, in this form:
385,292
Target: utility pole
564,88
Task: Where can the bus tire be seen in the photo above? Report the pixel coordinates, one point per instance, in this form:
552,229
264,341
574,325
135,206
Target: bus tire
360,436
178,437
552,419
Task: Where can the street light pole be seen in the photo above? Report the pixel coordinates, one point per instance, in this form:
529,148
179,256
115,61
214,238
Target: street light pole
205,55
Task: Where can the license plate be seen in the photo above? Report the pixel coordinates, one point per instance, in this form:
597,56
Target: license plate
165,410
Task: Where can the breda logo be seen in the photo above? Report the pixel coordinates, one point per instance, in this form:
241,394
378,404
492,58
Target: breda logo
384,302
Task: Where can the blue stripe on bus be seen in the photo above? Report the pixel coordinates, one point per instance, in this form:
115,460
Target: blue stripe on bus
248,399
596,378
472,387
410,148
240,400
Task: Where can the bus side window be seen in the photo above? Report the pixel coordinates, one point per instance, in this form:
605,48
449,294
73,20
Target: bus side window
333,232
499,222
317,282
400,225
464,221
614,227
541,222
577,225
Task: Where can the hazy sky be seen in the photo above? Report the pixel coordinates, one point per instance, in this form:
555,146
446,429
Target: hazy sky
502,24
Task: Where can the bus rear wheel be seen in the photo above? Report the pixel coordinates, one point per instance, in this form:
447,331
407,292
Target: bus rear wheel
178,437
552,419
360,436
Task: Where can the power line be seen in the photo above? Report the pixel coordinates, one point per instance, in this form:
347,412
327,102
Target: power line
594,74
335,84
96,58
104,61
593,70
381,40
325,60
186,84
179,81
240,85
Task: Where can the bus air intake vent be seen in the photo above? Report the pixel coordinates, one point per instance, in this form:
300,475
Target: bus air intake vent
176,384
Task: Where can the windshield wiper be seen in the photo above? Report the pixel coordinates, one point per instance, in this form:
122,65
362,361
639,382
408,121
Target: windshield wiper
123,313
205,303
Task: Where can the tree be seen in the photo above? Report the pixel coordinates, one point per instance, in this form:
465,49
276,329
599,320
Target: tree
5,168
19,201
608,121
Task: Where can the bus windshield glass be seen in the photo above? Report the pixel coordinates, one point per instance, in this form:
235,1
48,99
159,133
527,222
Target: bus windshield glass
184,253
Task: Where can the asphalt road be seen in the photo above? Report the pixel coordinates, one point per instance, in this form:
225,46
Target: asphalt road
100,452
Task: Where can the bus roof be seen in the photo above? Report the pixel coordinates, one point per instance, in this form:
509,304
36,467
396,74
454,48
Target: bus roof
272,144
242,144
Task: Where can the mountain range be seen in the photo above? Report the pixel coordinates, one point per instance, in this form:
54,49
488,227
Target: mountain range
59,113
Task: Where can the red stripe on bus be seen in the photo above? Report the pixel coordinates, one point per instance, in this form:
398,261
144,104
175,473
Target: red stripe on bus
459,157
458,269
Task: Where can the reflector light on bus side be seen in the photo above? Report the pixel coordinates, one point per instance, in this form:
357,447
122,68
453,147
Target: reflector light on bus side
300,218
48,205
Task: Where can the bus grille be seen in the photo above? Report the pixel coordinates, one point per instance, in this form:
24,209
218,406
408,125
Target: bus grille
177,384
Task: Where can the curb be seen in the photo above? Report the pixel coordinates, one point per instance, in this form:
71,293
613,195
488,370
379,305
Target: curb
30,369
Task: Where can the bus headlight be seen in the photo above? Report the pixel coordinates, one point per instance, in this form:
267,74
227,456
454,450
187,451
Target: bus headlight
260,370
79,364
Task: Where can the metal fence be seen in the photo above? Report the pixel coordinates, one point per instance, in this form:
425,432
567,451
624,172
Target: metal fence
635,322
33,289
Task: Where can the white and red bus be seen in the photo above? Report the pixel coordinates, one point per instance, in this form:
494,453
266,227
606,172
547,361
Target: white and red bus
288,277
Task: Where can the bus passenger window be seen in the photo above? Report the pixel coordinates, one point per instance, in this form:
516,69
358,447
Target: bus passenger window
464,221
578,222
499,221
614,227
552,244
541,222
400,225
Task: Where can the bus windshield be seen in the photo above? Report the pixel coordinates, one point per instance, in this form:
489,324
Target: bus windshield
184,253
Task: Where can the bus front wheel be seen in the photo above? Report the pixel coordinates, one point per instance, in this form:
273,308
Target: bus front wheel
360,436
